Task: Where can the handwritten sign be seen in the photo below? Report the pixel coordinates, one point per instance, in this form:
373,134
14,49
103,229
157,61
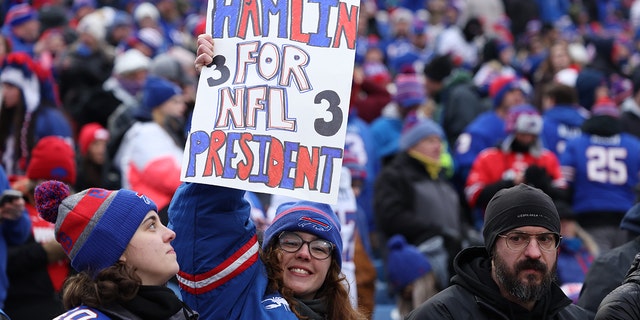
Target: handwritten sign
271,111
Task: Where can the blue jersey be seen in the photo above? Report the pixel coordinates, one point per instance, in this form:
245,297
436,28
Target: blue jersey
486,131
221,274
82,312
561,123
603,171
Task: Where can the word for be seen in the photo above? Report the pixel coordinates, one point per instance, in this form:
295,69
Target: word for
269,62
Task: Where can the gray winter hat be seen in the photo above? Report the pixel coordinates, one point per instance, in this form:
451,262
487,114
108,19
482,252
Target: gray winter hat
518,206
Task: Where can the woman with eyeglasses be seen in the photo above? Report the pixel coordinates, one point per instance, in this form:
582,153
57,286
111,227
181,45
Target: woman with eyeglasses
225,273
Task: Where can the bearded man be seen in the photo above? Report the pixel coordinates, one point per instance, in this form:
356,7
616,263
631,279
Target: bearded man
512,276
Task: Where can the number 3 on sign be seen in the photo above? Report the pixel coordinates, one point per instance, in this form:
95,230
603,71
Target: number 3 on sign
606,165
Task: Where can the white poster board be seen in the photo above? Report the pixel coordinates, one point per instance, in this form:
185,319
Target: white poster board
271,112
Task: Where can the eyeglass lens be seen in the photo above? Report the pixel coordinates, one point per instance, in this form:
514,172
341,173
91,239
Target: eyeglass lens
546,241
318,248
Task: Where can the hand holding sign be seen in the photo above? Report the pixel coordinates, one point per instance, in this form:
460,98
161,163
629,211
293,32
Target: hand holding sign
204,53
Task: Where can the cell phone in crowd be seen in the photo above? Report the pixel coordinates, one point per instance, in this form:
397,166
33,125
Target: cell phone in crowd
9,195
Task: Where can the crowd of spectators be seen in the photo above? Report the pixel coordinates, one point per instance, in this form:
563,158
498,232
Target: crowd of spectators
451,102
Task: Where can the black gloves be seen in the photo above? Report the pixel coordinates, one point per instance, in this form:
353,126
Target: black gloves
538,177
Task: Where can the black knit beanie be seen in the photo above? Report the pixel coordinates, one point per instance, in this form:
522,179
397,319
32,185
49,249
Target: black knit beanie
518,206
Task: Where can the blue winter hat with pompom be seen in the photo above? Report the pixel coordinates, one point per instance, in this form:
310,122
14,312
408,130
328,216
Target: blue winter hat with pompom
94,226
405,264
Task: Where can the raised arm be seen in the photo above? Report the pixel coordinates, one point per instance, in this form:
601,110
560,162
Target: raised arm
221,275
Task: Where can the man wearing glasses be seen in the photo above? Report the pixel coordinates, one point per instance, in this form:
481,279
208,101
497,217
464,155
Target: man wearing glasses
512,276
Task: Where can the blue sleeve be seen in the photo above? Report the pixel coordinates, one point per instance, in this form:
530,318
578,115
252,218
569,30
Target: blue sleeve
549,137
486,131
221,275
468,147
4,181
568,157
14,232
17,231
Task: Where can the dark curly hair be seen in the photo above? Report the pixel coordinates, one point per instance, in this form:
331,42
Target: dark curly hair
115,284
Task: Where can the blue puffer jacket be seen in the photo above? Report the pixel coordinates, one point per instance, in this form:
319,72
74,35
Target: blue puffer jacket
221,275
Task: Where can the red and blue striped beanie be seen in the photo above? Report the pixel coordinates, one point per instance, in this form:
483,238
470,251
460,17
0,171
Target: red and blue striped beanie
310,217
94,226
19,14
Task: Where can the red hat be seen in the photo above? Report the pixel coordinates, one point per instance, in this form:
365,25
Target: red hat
52,158
501,85
19,14
88,134
605,107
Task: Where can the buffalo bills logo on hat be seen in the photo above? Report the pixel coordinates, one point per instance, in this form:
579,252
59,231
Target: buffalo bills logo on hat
66,242
318,224
143,197
98,193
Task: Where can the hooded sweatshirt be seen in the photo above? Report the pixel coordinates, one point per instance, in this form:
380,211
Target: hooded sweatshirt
474,295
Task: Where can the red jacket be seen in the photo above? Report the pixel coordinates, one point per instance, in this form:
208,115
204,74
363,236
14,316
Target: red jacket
493,164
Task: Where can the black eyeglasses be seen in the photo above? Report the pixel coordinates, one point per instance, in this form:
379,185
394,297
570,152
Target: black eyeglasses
518,240
292,242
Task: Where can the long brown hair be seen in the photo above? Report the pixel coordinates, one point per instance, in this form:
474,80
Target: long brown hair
117,283
334,289
11,119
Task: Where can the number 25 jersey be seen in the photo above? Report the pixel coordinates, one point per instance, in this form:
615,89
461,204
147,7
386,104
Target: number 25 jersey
603,171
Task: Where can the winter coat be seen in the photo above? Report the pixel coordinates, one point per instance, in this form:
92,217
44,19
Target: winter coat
150,160
221,274
460,105
402,191
90,313
606,273
474,295
623,302
152,302
35,287
501,163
